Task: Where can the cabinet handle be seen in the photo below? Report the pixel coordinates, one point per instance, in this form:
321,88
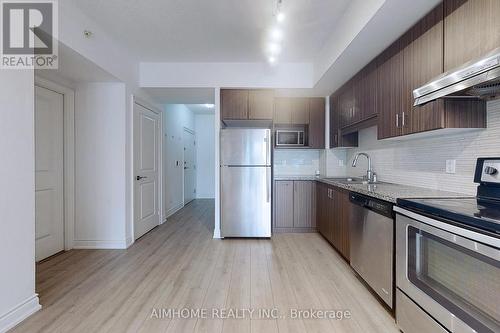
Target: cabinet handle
397,120
403,120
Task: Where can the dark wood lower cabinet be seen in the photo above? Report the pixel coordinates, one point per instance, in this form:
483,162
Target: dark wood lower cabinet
294,206
333,210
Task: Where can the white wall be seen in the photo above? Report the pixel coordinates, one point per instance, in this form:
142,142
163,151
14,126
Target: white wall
17,198
205,156
100,142
251,75
422,162
176,118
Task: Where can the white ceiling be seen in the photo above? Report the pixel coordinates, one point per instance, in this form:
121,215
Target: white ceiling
215,31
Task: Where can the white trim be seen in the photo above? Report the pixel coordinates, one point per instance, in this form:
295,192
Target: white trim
103,244
185,129
144,104
173,210
19,313
69,156
217,163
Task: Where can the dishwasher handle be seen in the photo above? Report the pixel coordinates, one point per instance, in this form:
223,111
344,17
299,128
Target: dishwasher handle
378,206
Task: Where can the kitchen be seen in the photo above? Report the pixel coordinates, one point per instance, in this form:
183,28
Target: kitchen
416,232
253,166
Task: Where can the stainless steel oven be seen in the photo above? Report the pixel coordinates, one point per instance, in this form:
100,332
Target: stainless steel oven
447,276
290,137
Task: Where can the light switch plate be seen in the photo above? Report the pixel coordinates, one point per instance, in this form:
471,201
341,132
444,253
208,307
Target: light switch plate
451,166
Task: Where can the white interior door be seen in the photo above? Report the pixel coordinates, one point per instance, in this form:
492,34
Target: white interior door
146,171
49,207
189,167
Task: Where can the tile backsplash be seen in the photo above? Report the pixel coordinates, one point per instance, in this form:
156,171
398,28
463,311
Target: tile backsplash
422,161
298,162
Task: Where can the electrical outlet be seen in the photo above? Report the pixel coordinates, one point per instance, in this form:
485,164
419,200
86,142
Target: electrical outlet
341,163
451,166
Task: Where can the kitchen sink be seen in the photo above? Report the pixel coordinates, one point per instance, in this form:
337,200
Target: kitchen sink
350,180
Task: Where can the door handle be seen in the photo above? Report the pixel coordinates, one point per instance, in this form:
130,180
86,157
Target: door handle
267,146
140,177
397,120
268,185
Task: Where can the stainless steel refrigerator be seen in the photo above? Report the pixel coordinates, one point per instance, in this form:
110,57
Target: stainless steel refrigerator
245,182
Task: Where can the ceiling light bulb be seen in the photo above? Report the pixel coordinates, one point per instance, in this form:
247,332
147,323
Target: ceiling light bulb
277,34
272,60
280,17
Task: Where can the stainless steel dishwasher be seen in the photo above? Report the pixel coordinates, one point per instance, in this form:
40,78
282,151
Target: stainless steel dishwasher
372,243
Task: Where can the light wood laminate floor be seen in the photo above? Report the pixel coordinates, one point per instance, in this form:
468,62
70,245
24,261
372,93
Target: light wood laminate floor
178,265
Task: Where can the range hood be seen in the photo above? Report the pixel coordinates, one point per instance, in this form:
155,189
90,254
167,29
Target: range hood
479,78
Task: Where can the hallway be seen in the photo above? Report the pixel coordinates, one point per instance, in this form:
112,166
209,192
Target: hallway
178,265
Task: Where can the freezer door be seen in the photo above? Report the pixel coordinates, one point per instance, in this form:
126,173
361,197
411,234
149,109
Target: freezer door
245,147
246,201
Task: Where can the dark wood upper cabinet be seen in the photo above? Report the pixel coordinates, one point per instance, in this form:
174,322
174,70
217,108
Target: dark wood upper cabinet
453,33
234,104
260,104
334,121
365,93
390,91
346,104
282,110
317,122
247,104
471,29
291,110
300,111
423,61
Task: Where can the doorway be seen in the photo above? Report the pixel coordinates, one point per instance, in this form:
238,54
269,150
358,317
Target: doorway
146,169
49,166
189,141
54,168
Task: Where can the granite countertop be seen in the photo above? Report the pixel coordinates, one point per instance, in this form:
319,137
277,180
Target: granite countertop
383,191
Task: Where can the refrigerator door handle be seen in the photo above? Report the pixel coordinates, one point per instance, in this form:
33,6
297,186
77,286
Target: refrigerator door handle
268,185
267,143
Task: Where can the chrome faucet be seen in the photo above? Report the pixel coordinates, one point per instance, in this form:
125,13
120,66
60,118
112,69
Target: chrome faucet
370,175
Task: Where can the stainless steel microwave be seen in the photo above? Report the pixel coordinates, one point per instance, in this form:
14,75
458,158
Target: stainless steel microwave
290,138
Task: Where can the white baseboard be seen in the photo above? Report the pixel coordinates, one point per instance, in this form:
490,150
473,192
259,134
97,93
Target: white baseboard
129,242
102,244
173,210
19,313
217,233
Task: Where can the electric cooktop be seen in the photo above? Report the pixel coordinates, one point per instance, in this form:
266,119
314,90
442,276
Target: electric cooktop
481,212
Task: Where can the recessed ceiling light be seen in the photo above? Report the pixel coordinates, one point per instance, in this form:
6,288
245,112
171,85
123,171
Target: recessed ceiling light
209,106
280,17
272,60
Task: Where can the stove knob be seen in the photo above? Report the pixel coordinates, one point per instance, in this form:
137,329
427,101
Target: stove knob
490,170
